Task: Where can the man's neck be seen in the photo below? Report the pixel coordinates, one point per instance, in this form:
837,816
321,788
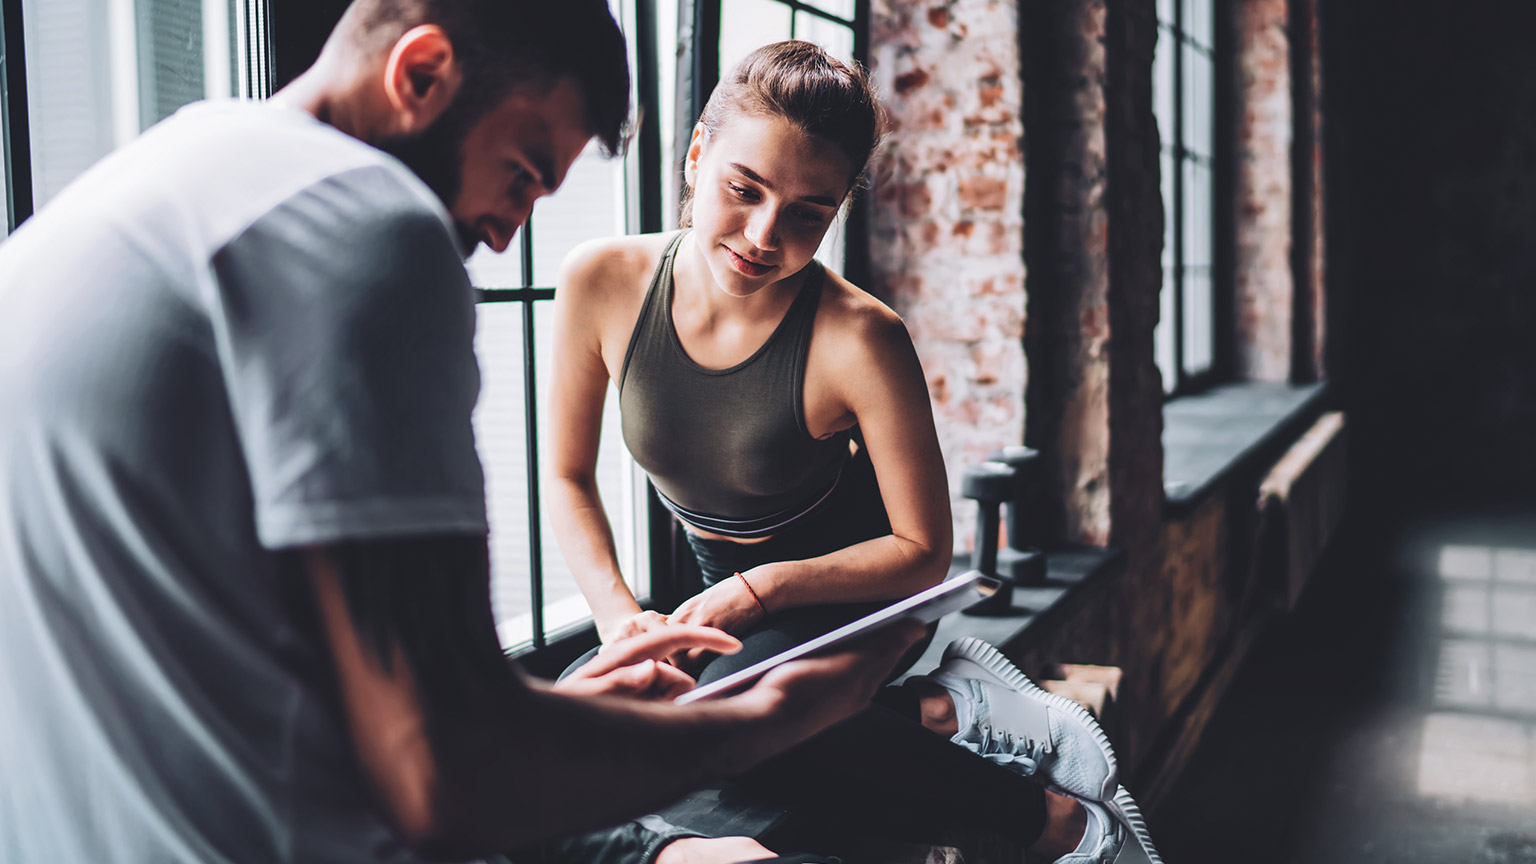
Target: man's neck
336,94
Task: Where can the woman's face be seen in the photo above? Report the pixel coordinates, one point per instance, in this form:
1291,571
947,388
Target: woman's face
764,194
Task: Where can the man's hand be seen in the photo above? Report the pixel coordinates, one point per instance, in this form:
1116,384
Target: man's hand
629,667
804,696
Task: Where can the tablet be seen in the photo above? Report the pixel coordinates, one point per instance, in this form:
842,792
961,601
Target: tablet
925,606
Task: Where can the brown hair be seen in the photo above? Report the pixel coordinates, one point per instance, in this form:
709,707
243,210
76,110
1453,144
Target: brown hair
504,43
802,83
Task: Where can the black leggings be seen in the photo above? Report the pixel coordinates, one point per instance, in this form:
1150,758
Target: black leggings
879,773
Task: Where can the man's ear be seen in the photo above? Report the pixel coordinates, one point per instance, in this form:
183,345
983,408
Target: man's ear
695,147
421,77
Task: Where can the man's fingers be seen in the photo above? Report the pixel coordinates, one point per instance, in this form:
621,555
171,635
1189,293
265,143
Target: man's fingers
671,682
657,644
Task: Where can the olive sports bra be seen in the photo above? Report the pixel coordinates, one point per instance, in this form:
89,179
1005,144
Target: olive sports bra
727,449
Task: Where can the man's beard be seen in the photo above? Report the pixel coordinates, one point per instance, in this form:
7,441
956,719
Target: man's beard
436,155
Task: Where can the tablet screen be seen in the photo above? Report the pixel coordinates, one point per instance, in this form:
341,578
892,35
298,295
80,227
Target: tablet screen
926,606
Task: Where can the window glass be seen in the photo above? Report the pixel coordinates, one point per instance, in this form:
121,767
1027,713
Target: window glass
487,269
1199,23
843,9
1196,284
1198,94
1183,88
101,71
1165,349
1163,336
836,38
5,192
749,24
664,56
1197,215
1162,86
500,436
1198,316
592,202
589,204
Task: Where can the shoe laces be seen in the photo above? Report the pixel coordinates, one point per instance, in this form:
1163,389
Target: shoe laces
1003,747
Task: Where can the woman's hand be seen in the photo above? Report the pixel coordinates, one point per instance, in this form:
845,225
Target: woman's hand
730,606
634,625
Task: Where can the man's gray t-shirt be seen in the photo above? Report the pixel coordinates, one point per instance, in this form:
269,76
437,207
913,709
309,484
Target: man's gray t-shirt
243,333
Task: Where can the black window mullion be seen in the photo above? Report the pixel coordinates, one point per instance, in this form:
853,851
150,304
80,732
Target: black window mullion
856,264
15,128
823,14
1181,375
531,451
648,136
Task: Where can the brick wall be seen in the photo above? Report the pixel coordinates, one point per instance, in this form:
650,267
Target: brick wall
1262,272
954,231
1068,244
947,236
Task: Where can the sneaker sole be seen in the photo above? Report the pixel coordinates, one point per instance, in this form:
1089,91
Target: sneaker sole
1128,812
992,660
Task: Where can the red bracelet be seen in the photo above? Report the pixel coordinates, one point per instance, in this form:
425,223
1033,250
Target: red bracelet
756,599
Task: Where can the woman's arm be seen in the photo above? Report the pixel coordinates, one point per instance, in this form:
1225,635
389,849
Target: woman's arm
868,371
584,305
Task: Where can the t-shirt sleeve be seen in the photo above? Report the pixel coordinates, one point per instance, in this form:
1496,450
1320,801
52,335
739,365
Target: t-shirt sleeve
345,328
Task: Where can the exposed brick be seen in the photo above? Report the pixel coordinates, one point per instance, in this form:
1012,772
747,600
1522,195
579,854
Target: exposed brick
950,255
909,81
1263,277
916,200
984,193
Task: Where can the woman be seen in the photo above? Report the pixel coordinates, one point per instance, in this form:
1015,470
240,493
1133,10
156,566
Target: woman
770,400
783,417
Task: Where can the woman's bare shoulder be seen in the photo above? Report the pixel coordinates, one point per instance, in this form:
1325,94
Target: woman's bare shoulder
858,320
612,265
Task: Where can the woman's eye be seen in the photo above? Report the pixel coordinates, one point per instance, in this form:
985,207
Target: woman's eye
809,217
742,192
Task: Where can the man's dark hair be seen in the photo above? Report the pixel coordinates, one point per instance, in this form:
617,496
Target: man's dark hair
504,43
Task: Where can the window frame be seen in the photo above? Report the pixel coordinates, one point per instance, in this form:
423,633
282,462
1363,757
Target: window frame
1221,224
15,127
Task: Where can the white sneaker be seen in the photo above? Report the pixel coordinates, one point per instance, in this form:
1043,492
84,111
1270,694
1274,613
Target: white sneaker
1004,717
1103,839
1138,845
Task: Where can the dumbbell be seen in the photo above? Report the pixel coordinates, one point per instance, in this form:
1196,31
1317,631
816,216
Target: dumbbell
991,485
1021,561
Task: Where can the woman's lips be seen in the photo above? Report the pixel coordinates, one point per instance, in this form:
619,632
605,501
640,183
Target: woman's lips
746,266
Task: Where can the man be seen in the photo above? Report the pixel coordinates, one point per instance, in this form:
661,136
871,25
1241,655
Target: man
243,576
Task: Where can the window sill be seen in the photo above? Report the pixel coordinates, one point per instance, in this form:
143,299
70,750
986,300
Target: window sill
1071,577
1225,430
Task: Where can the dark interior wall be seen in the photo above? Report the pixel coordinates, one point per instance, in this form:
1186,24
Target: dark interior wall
1431,123
300,28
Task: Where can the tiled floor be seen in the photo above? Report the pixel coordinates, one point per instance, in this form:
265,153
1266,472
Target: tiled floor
1391,719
